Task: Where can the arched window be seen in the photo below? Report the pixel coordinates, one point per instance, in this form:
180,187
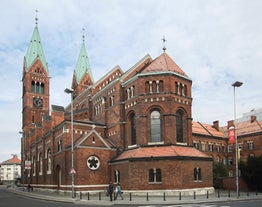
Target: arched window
42,88
133,129
49,161
40,158
155,126
117,176
34,165
179,126
33,87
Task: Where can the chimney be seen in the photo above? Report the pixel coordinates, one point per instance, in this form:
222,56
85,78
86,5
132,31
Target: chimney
253,118
230,124
216,125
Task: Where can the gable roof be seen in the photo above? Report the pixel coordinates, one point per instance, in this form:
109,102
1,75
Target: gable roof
206,129
161,152
164,63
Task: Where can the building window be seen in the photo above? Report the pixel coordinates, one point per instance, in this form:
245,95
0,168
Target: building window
218,148
112,101
133,129
229,148
155,126
203,147
179,126
155,175
197,174
196,145
37,87
250,145
59,145
40,164
49,161
230,161
117,176
34,165
211,147
93,162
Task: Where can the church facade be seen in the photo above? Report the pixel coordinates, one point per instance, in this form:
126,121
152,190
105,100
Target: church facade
133,127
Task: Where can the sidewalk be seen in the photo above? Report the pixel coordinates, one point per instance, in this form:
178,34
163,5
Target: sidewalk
102,200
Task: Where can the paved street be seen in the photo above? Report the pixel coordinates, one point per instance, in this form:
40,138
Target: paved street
13,196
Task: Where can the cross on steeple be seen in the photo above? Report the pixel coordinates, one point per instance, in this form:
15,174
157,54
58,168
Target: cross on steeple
36,18
164,43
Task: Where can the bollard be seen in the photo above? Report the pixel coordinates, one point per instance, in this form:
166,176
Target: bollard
99,196
179,195
229,193
207,194
194,195
247,192
164,196
88,196
146,196
80,195
75,194
130,196
218,193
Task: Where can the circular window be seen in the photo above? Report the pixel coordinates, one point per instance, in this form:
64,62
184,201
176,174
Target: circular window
93,163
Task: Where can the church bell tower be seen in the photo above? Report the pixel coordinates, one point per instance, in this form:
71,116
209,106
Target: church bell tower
35,79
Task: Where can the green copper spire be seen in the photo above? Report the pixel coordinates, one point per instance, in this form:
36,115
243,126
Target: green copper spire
35,50
83,66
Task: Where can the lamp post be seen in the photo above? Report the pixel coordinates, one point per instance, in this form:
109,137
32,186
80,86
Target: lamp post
23,159
236,84
70,91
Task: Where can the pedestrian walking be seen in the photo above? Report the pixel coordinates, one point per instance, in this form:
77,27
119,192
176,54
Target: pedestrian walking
110,190
118,191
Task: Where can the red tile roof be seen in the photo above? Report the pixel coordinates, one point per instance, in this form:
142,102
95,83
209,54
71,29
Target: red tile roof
206,129
161,151
248,127
164,63
14,160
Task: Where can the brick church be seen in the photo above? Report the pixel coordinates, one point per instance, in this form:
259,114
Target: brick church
133,127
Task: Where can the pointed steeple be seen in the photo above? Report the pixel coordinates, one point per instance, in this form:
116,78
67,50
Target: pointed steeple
82,65
35,50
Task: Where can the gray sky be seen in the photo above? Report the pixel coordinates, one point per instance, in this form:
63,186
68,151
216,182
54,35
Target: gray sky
215,42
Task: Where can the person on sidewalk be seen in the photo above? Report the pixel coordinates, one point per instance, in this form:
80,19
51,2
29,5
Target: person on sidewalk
118,191
111,190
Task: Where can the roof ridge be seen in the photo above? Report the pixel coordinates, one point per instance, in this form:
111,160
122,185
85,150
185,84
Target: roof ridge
205,128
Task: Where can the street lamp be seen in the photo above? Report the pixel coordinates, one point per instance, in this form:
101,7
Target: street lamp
70,91
236,84
23,159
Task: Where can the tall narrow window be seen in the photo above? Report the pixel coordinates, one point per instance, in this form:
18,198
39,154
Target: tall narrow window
49,161
117,176
155,126
40,164
33,87
42,88
133,129
179,126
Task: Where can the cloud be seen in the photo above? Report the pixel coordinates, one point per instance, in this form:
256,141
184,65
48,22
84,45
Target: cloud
214,42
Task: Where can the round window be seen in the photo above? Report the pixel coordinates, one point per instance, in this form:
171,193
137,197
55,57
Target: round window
93,162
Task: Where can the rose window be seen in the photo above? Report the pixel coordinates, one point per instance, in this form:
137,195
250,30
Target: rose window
93,163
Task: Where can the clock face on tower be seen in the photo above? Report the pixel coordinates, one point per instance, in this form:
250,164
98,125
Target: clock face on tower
38,102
